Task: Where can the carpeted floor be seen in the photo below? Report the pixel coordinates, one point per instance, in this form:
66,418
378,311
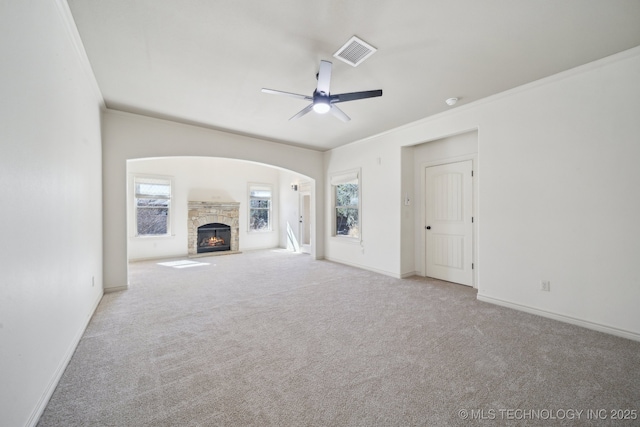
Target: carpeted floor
271,338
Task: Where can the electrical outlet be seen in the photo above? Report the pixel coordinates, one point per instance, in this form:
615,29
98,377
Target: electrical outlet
545,285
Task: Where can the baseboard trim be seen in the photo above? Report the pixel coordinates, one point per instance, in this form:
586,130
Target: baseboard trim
409,274
562,318
159,258
48,392
363,267
115,289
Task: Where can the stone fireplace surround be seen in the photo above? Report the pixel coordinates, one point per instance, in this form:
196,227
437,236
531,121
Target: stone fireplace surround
201,213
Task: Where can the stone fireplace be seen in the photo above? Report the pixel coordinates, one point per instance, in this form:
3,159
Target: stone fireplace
211,217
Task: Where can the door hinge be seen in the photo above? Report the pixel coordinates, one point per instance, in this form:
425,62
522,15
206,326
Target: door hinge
471,219
472,266
471,173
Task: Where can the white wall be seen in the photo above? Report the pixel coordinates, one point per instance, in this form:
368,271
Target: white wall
130,136
557,195
213,180
51,218
381,202
410,204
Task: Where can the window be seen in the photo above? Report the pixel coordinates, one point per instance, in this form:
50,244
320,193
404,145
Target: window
152,206
346,202
259,207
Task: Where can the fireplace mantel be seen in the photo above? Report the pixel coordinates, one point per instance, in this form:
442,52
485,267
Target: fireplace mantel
201,213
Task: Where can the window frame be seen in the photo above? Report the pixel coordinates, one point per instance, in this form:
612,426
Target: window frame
260,187
139,178
340,178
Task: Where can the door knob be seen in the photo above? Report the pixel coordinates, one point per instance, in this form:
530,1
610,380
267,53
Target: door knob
428,227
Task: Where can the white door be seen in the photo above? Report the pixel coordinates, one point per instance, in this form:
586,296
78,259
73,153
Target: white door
305,221
448,227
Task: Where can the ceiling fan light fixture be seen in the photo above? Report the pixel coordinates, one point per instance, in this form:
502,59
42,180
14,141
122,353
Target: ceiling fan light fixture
321,106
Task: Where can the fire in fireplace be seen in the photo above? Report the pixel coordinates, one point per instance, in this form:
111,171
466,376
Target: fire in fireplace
214,237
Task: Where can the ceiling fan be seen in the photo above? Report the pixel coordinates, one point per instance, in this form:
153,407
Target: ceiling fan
322,101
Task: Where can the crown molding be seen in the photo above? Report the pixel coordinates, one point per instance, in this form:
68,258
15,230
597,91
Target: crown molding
72,31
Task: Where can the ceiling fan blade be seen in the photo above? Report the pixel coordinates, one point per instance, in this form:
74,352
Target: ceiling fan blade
344,97
324,77
302,112
293,95
339,113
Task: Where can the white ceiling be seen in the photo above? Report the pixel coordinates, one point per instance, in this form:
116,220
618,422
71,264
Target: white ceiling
205,61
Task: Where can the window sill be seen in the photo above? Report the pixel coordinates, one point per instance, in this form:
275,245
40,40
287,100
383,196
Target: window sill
150,237
347,239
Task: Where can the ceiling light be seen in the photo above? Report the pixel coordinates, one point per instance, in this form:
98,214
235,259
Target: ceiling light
451,101
321,106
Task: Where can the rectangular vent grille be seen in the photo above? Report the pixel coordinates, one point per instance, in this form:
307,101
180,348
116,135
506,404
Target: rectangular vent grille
355,51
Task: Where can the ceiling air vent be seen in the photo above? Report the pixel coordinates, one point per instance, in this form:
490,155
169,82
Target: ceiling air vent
355,51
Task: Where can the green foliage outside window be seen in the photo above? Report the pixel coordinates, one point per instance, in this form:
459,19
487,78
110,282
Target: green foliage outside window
347,221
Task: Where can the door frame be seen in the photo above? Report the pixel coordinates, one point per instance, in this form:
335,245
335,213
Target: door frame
421,233
304,189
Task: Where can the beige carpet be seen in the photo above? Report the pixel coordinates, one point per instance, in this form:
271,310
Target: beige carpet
270,338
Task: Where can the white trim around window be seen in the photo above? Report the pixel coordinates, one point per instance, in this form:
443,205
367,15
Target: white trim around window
152,207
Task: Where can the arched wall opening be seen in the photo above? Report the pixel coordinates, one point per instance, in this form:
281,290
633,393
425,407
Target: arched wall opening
216,180
129,137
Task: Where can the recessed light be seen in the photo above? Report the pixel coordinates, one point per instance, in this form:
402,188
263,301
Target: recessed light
451,101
